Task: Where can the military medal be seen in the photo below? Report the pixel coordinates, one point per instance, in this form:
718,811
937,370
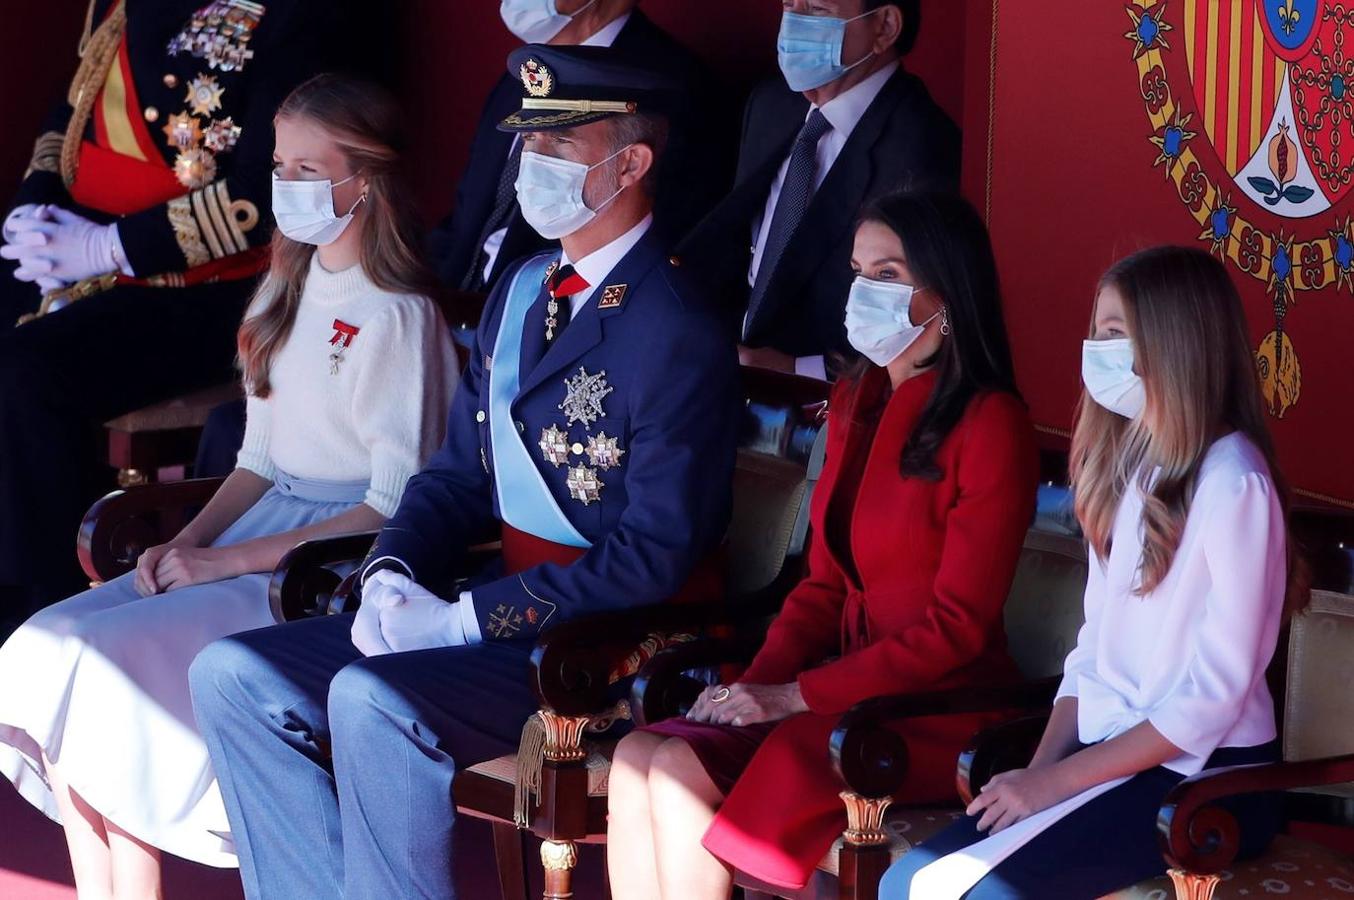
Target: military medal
604,452
182,131
583,395
219,33
195,168
551,311
584,485
220,136
204,95
341,341
554,446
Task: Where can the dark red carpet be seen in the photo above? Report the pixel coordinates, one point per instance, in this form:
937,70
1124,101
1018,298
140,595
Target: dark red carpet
34,866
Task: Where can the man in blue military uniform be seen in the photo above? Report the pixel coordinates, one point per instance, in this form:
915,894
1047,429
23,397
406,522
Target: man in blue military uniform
594,427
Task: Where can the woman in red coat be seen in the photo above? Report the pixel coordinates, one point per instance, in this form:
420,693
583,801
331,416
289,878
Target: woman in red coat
918,522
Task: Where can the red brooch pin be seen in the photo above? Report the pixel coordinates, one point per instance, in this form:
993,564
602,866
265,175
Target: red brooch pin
341,341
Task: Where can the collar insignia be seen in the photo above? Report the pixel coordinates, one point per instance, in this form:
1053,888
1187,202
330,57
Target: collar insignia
612,295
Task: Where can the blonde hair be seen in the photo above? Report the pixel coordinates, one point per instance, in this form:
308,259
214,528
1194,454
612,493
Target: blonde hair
364,122
1192,350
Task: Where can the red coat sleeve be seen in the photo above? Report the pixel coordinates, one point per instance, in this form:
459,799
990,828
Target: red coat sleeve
808,627
997,471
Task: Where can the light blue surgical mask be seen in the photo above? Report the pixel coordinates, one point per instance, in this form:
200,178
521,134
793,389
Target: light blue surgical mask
879,319
810,49
1107,372
550,193
535,21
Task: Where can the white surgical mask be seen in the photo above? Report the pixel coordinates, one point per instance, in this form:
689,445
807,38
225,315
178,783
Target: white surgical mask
535,21
304,210
878,322
550,193
1107,372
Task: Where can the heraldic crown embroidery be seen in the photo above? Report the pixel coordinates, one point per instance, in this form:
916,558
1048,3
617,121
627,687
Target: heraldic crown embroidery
1251,105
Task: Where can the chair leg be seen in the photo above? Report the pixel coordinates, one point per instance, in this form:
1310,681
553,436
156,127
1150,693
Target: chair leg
509,842
559,859
865,847
1189,886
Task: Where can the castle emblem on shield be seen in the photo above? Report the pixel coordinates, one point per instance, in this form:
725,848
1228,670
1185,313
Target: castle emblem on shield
1251,104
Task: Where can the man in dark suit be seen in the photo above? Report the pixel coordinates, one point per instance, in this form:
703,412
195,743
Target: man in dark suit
485,231
594,428
845,123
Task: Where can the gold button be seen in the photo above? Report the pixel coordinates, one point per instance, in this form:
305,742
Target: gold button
151,114
674,261
171,80
577,449
479,416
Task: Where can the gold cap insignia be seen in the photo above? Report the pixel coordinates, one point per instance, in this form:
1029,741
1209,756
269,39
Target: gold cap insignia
612,295
536,78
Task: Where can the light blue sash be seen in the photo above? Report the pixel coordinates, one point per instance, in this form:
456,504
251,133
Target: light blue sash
524,499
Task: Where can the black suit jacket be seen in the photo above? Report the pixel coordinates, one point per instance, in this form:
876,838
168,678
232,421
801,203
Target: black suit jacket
903,140
692,173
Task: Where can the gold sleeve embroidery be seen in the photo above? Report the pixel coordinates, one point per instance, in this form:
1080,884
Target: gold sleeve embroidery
46,153
209,225
186,231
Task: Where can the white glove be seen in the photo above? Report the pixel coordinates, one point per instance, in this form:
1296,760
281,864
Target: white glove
26,211
16,231
76,247
412,617
366,633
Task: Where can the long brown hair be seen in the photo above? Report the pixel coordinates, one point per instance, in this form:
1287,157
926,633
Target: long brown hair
364,121
1192,351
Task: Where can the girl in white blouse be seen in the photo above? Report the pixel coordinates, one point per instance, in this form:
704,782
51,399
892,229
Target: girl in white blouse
348,368
1185,513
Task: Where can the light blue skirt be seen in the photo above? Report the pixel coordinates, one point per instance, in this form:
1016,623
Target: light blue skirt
99,684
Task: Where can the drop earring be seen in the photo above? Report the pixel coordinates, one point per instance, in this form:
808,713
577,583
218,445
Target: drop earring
945,320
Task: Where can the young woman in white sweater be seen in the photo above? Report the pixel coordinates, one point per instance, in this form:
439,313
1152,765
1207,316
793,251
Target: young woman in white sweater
1190,576
349,369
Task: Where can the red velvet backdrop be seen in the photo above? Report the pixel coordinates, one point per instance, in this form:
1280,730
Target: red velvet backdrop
453,53
1077,182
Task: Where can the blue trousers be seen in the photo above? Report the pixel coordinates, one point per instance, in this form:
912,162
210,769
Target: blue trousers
374,819
1106,845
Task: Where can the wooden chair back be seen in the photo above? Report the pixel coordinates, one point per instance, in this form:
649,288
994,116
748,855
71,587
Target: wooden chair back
1319,704
1044,610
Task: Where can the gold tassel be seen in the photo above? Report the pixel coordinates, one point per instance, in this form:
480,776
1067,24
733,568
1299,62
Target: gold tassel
97,54
530,761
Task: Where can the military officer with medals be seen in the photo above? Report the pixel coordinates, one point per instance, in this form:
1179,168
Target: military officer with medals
135,240
594,430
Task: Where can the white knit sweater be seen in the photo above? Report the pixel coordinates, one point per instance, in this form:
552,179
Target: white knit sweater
378,412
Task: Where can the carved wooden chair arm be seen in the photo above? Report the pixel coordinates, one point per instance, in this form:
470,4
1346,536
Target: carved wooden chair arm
1000,748
120,526
305,582
1200,837
661,690
872,759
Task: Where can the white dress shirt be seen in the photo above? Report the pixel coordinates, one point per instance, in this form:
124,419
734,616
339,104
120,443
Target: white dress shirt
1189,657
843,112
603,37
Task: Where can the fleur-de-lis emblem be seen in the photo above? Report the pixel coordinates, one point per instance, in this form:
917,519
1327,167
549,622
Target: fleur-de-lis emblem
1289,17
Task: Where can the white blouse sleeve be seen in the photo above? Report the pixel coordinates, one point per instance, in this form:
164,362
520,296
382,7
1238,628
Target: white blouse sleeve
401,395
254,452
1245,546
1082,658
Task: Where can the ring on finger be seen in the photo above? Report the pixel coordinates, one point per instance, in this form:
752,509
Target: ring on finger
720,695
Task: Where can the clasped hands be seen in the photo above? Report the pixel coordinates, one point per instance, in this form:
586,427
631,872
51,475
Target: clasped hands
55,247
398,615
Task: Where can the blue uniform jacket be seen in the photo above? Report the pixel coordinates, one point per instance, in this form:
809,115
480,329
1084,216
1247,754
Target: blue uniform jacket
673,406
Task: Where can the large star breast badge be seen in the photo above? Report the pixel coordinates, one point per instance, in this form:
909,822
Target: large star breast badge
584,485
583,395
